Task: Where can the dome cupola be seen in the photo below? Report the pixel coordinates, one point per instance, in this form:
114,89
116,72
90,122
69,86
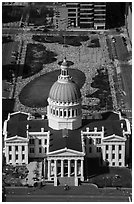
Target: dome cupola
64,101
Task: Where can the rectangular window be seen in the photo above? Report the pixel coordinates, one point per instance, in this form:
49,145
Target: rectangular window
39,141
113,156
90,140
16,148
23,148
31,150
31,141
98,141
113,163
10,157
45,141
120,147
16,156
40,150
10,148
106,147
113,147
106,156
90,149
98,149
45,150
120,163
23,156
119,156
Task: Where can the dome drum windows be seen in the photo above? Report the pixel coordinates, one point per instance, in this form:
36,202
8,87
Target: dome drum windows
67,113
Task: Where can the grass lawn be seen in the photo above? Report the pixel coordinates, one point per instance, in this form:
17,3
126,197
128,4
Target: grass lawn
36,56
109,179
69,40
35,93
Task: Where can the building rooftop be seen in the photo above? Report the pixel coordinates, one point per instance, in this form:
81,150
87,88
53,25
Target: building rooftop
59,139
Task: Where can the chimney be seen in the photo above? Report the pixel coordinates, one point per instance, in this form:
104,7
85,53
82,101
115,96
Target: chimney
27,126
95,129
43,117
102,128
42,129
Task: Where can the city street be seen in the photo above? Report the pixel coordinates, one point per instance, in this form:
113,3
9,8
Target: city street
58,194
66,198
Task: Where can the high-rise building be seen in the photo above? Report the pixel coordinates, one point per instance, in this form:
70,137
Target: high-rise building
99,15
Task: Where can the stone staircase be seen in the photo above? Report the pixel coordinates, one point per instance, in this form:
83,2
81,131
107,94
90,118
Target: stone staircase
70,181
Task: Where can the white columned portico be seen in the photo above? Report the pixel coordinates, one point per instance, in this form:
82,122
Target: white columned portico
69,168
13,155
55,166
49,169
20,153
82,177
62,168
75,168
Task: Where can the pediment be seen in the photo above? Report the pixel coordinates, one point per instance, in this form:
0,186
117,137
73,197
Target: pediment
16,139
113,138
65,152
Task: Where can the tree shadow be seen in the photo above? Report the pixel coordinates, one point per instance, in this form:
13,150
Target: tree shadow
36,57
62,39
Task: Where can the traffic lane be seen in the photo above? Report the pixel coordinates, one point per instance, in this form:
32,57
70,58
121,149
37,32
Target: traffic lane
66,198
126,72
121,49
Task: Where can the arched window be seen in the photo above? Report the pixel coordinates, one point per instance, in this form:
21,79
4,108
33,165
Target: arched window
57,113
60,112
72,113
65,114
53,111
68,113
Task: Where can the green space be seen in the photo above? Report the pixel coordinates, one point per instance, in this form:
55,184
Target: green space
36,56
11,13
68,40
115,177
12,176
103,92
35,93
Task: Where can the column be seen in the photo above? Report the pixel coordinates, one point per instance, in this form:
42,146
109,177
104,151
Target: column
75,171
69,168
62,168
55,168
82,177
26,153
20,154
13,155
110,155
104,153
49,169
116,155
7,154
44,163
123,155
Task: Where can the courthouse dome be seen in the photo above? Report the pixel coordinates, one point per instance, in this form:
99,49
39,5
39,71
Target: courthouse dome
65,89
